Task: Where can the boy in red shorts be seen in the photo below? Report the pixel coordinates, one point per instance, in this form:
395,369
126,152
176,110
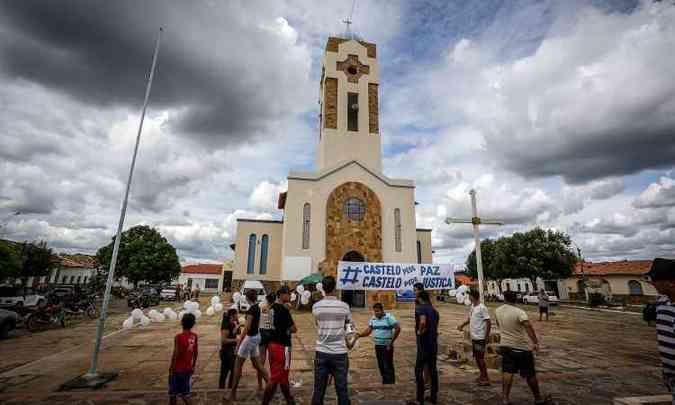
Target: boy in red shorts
279,348
183,361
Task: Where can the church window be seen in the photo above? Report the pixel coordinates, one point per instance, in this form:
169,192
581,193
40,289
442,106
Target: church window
419,252
264,245
352,111
251,253
397,229
306,220
355,209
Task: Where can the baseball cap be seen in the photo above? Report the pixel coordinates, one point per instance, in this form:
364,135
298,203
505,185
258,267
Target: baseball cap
662,269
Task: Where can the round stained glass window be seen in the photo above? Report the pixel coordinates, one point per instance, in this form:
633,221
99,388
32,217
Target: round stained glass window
355,209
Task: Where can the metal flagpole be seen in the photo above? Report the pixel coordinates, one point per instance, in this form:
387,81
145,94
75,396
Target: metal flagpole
92,373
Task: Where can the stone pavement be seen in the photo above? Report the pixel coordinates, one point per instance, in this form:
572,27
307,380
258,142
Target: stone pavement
587,358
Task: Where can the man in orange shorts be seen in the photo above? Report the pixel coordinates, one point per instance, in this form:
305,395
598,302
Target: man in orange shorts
279,347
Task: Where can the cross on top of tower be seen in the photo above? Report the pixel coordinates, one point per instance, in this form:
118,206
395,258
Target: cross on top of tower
348,22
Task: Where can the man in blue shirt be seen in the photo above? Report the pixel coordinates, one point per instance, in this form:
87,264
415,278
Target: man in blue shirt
427,346
385,329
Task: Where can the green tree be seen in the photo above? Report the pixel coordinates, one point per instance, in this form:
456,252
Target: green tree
37,260
488,248
144,255
537,253
10,263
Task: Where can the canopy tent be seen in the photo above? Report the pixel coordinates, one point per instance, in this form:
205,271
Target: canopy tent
312,279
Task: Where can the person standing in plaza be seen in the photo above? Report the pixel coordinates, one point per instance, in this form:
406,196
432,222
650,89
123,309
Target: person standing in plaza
331,316
543,304
228,333
662,277
266,329
517,356
385,329
417,289
183,361
279,347
479,326
427,346
249,345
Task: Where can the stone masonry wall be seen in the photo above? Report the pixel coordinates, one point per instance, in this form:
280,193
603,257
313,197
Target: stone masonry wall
373,109
344,235
330,101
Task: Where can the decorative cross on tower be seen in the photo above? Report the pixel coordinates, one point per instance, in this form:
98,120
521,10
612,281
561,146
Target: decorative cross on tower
476,221
347,22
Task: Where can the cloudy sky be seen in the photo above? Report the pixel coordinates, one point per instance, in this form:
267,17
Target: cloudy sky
560,113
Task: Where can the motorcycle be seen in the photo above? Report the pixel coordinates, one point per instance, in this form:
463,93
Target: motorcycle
86,305
45,317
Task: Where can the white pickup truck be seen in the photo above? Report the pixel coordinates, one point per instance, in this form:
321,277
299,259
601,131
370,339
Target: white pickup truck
242,304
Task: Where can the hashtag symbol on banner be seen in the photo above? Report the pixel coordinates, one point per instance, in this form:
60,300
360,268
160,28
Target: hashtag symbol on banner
350,275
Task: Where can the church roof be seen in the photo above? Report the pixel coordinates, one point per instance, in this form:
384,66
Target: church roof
316,176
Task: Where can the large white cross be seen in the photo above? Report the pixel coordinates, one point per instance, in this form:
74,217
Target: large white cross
476,221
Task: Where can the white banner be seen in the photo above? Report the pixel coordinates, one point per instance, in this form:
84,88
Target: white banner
394,276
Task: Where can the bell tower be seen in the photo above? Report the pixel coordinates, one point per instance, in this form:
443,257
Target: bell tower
348,97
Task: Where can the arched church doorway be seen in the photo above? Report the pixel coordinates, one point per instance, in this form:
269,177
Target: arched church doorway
354,298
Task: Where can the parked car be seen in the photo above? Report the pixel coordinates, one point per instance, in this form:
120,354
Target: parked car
168,293
12,296
143,298
256,285
533,298
8,321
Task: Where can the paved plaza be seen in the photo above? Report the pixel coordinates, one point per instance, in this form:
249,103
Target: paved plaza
587,357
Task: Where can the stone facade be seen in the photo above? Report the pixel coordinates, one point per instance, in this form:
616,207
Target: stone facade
344,235
333,44
330,100
353,68
373,109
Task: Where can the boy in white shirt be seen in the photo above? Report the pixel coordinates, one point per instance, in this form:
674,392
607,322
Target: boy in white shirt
479,325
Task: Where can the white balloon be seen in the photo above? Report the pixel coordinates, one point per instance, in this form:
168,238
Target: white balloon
300,289
460,296
145,321
319,286
159,318
236,297
218,307
137,314
172,316
181,314
197,313
186,305
306,294
153,313
304,300
210,311
463,289
215,299
294,297
128,323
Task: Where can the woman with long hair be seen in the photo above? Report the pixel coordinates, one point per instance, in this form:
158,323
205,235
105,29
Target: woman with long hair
229,329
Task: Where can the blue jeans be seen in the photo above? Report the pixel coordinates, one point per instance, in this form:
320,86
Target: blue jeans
336,365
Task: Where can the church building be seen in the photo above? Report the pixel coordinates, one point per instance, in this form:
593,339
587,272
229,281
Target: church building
347,209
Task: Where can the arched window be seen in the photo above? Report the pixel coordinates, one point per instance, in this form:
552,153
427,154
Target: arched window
264,242
306,221
419,252
397,229
251,253
635,287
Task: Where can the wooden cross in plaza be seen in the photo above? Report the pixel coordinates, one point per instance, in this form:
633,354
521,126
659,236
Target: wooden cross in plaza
476,221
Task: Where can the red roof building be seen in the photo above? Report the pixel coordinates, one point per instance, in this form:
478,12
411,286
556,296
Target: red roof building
626,267
202,269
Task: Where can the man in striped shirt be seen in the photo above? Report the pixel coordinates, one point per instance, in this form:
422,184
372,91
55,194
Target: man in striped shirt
662,276
331,316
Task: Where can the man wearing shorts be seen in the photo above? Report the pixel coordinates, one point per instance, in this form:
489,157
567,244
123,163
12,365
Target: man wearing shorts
517,356
279,347
248,348
479,325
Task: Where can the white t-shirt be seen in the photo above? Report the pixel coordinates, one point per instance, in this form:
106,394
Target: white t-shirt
479,314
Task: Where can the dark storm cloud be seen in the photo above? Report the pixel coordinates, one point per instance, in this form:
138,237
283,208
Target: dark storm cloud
212,69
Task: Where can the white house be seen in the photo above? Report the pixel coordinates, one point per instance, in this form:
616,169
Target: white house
208,277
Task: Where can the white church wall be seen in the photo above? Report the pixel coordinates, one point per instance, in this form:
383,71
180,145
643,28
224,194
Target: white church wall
294,268
274,231
317,193
424,236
